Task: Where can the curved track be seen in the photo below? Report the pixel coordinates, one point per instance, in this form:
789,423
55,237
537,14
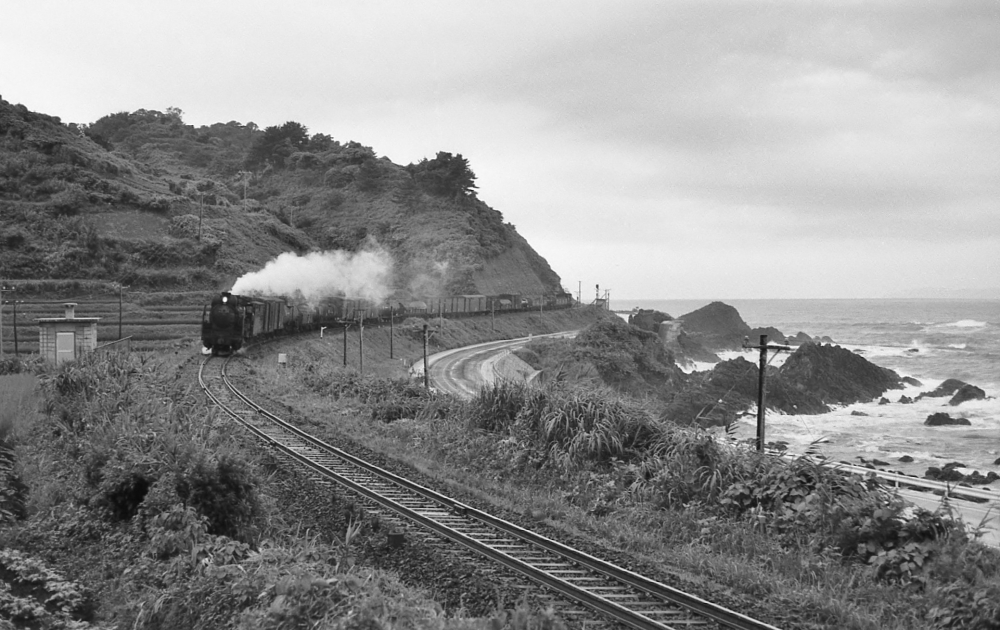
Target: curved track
612,592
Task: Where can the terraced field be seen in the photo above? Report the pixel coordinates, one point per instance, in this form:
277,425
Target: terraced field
154,321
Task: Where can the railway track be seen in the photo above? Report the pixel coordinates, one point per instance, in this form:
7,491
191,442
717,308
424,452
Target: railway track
593,586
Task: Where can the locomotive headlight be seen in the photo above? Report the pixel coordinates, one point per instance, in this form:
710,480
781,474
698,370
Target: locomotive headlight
224,299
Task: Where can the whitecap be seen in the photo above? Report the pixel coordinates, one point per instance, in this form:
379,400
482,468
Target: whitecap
964,323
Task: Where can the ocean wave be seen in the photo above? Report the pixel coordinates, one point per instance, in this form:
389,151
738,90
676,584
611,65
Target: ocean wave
963,323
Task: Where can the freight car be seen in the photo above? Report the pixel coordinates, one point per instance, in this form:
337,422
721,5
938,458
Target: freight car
230,320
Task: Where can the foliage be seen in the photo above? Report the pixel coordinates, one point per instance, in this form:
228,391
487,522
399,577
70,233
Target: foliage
445,175
569,426
277,144
628,358
32,595
389,399
127,430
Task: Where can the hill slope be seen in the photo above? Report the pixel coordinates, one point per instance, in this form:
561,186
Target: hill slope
145,199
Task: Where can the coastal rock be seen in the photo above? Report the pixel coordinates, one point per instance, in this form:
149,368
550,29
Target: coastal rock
714,398
716,326
976,478
947,388
996,462
648,319
858,413
832,375
946,474
909,380
906,459
799,339
883,401
949,472
773,335
942,419
905,400
966,393
671,333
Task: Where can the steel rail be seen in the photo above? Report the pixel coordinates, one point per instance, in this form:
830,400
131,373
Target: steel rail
643,585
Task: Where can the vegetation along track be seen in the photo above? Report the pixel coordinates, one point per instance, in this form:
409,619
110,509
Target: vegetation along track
614,593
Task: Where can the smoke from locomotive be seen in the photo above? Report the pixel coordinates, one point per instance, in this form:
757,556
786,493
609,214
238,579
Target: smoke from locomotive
317,275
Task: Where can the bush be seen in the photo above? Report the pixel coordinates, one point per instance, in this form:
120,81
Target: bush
224,492
70,201
157,204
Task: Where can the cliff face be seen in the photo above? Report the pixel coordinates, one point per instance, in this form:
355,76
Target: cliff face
145,199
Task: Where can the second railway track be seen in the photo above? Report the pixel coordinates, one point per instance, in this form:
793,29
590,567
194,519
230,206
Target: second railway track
605,590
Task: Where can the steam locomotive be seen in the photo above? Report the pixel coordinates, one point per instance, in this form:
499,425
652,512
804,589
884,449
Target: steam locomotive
231,320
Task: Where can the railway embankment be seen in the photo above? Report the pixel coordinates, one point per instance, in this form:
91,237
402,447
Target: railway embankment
143,509
797,545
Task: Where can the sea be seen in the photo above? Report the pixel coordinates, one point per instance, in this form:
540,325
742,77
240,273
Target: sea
928,339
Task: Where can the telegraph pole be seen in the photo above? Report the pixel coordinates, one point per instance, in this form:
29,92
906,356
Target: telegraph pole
391,332
16,350
427,382
361,344
121,289
345,344
761,382
3,288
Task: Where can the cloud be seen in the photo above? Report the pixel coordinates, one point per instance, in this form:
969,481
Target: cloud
669,133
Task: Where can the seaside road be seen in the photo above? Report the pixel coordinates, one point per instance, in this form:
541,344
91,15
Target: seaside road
463,371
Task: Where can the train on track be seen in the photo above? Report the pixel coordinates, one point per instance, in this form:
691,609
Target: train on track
231,320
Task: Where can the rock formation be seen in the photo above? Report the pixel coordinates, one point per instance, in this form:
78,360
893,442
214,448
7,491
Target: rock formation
947,388
773,335
941,419
827,375
685,348
648,319
717,326
967,392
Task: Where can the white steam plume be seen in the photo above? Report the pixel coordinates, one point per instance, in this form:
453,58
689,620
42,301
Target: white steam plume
364,274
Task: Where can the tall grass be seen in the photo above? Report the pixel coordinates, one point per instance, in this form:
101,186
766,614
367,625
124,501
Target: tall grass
18,404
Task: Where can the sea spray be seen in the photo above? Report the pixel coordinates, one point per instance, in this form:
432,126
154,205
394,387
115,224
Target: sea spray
316,275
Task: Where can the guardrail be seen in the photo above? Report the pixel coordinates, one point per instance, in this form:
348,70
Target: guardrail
898,480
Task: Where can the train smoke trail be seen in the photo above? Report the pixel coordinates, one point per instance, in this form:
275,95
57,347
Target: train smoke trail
364,274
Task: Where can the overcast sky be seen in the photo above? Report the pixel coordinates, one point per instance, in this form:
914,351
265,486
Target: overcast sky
661,149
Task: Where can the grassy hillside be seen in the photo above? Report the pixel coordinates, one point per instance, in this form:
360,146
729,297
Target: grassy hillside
144,199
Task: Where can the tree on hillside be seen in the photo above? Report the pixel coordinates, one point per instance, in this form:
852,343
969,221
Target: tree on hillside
114,129
445,175
369,176
320,142
407,194
277,144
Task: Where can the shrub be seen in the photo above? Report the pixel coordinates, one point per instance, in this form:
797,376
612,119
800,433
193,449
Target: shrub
157,204
223,491
69,201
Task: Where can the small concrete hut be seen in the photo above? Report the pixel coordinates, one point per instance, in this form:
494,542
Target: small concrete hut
66,338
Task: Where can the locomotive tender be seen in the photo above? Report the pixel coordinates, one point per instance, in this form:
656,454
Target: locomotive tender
231,320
